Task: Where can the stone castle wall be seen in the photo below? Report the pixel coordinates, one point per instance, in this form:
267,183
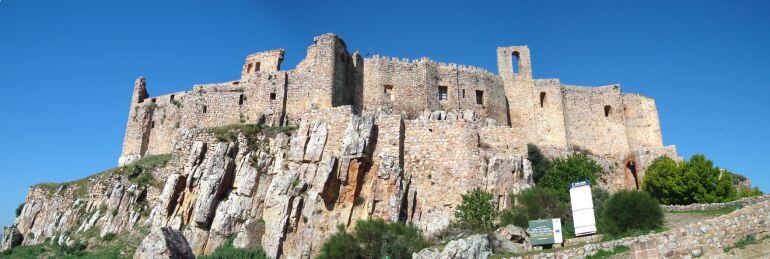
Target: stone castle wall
514,108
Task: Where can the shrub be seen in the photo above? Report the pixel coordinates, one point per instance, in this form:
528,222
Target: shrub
109,237
534,203
228,251
540,163
631,210
19,209
575,168
374,239
477,210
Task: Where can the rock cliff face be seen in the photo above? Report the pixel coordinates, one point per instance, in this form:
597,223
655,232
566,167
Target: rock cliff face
282,190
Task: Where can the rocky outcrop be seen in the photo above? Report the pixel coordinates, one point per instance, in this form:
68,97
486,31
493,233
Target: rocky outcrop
11,238
164,243
473,247
287,191
510,239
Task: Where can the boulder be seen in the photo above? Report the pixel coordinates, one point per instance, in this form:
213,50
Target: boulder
510,239
11,238
473,247
164,243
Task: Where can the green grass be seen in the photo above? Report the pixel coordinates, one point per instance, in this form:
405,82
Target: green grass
713,212
121,245
138,172
748,240
615,251
631,233
252,132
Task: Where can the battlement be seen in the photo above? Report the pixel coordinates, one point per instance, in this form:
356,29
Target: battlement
437,102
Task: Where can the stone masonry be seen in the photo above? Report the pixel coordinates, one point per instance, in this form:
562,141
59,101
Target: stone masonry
619,128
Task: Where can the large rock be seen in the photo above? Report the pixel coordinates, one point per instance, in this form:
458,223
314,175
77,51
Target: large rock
473,247
510,239
11,238
164,243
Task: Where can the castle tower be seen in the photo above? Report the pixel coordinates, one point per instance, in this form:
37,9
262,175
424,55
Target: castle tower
515,68
138,125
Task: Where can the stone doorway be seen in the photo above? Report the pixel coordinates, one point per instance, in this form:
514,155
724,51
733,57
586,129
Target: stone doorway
631,178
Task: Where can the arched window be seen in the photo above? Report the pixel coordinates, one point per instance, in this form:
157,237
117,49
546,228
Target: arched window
607,110
515,62
542,99
240,100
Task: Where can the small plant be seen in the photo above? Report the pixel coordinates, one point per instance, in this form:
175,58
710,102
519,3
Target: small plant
229,251
631,210
540,163
295,182
19,209
109,237
621,249
176,103
748,240
477,210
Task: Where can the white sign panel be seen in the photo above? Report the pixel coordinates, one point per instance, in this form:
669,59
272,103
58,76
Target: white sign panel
582,208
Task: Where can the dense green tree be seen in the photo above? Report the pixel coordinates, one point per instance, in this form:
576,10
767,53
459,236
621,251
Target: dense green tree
575,168
477,210
693,181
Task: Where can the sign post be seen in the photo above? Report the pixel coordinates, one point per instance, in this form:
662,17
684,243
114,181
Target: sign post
545,232
582,208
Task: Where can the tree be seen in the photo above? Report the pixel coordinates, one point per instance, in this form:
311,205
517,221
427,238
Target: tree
662,181
340,245
477,210
575,168
540,163
693,181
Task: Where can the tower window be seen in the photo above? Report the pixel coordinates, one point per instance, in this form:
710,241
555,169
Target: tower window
249,67
205,109
479,97
515,62
442,93
463,93
272,96
607,110
152,124
171,98
256,67
542,99
387,91
240,100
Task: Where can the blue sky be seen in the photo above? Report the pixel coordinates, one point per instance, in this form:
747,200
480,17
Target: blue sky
67,67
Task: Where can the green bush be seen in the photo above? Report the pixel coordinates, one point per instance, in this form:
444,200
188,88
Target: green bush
631,210
540,163
693,181
575,168
19,209
374,239
534,203
228,251
477,210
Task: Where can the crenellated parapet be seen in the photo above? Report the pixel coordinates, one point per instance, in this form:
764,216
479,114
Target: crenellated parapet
335,83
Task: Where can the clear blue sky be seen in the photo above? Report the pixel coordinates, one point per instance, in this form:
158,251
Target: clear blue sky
67,67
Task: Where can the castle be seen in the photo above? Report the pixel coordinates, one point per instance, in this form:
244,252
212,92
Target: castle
443,112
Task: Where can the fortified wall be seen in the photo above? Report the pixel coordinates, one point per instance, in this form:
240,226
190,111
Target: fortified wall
450,111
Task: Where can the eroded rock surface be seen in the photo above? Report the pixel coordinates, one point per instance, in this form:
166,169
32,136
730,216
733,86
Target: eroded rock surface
164,243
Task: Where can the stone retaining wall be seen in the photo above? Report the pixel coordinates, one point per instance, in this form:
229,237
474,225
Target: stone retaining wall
713,206
705,237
